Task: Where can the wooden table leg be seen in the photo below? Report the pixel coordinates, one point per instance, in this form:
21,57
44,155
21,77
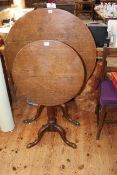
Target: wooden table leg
52,126
39,110
67,116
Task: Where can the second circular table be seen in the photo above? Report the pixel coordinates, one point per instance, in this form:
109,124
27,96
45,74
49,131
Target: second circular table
48,72
51,73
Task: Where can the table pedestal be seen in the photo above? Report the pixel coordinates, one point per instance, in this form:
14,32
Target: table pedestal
52,125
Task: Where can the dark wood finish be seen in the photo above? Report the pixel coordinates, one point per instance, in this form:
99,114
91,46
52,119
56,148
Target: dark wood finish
101,111
80,4
49,75
60,25
64,110
110,52
30,3
39,110
51,126
39,5
6,2
66,115
67,5
64,5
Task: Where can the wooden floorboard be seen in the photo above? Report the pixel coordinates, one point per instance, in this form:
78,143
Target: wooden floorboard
51,156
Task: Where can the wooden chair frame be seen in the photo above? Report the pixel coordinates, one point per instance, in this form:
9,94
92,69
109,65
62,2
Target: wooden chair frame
101,111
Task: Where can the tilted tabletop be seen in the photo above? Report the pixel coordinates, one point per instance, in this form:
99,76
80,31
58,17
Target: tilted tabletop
55,24
48,72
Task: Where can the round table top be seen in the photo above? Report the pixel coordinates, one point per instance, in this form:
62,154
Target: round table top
55,24
48,72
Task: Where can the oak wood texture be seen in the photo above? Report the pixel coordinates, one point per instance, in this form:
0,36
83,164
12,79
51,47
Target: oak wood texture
58,25
48,72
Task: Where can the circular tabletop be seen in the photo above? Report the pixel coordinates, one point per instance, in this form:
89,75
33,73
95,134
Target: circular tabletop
55,24
48,72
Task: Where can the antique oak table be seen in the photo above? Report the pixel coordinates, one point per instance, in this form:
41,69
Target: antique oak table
55,24
51,73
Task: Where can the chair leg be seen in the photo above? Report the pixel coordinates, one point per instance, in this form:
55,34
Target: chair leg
97,110
101,122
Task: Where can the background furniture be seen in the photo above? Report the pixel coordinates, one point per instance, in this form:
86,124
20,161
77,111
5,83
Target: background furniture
99,33
39,5
84,6
5,2
103,14
67,5
64,5
108,94
97,1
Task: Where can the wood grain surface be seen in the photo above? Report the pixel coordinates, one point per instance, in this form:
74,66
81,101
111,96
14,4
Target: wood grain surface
48,72
52,156
59,25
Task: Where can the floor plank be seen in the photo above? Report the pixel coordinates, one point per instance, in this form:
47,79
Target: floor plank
51,156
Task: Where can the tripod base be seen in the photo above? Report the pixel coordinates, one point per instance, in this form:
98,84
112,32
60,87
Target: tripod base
52,125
